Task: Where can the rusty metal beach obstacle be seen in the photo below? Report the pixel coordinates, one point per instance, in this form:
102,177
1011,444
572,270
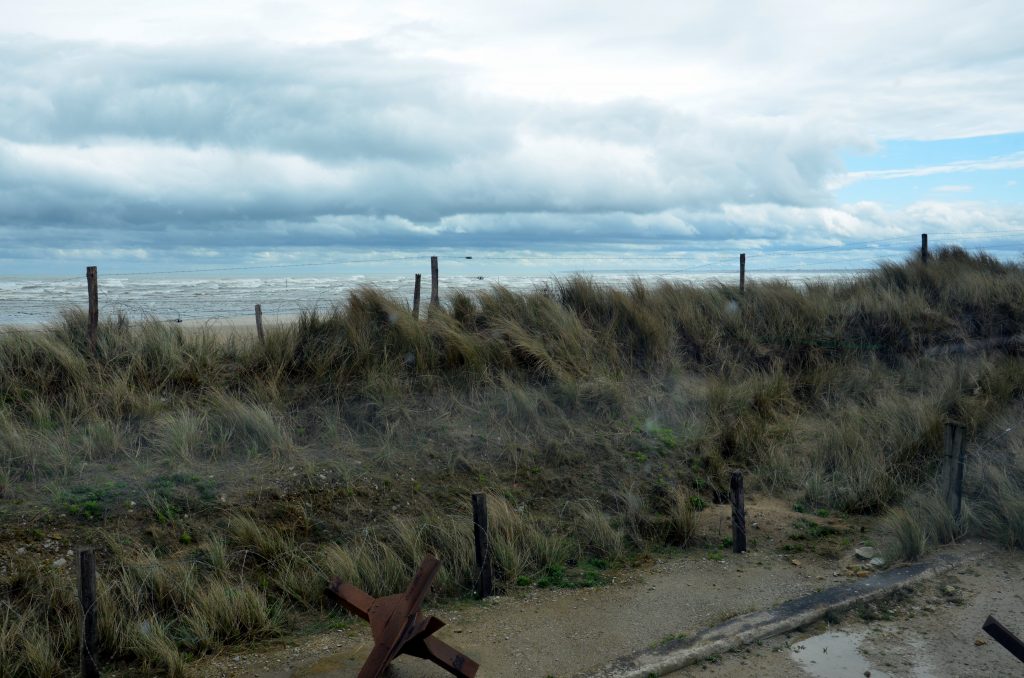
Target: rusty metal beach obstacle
399,628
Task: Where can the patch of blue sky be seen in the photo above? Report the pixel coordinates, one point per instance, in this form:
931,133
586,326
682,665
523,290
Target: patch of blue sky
978,169
989,186
906,153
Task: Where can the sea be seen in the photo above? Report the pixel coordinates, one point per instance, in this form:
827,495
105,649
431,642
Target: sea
35,301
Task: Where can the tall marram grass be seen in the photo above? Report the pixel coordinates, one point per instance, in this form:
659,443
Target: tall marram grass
600,419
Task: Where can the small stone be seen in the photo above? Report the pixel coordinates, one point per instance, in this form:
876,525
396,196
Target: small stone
863,573
980,641
876,562
796,562
866,553
60,562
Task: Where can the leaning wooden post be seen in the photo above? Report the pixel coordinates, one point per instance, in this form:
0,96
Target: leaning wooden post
955,451
435,299
416,298
88,641
743,271
1004,637
739,516
259,322
94,305
484,570
924,248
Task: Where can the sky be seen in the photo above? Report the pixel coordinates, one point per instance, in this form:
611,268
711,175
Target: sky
147,136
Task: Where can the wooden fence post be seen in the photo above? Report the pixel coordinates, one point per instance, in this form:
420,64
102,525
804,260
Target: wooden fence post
924,248
416,298
259,322
88,642
484,570
739,514
743,271
955,451
435,299
94,305
1004,637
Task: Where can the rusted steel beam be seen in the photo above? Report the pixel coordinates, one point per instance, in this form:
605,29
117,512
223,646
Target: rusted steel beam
445,656
353,599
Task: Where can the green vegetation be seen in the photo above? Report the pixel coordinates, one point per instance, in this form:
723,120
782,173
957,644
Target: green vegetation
227,480
821,538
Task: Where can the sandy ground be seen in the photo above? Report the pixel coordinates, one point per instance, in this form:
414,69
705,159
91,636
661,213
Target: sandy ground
239,327
560,632
934,632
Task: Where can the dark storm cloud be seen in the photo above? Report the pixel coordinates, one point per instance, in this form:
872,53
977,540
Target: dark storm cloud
156,147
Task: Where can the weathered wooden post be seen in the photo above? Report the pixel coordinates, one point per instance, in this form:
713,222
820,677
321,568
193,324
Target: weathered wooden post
259,322
484,569
88,642
416,298
739,515
435,299
955,452
743,271
924,248
94,305
1004,637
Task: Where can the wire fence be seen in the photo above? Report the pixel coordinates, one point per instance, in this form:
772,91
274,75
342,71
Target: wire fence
208,295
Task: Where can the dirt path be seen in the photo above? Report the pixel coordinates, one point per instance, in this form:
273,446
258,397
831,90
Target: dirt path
933,632
539,632
562,632
559,632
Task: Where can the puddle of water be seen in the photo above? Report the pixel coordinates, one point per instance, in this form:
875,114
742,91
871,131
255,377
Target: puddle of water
832,654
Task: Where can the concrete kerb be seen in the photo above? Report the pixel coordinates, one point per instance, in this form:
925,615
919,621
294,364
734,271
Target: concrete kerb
749,628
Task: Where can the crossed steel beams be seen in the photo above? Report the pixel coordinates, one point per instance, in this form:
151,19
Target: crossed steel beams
399,628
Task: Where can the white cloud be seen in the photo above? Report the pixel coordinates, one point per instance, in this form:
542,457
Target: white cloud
1005,162
118,253
200,128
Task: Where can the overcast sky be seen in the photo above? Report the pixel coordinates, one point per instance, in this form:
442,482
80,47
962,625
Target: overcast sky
141,135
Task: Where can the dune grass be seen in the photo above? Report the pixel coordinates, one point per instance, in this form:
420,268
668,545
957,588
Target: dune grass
226,480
